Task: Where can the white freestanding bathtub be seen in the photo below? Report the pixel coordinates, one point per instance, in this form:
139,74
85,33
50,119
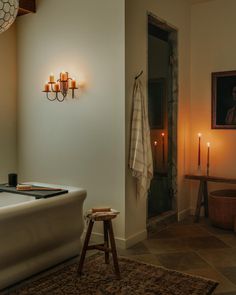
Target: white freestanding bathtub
38,233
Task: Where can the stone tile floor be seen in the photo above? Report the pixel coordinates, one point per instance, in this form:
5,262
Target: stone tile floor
195,248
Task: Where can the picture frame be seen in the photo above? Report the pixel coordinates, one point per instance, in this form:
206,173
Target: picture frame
156,102
223,114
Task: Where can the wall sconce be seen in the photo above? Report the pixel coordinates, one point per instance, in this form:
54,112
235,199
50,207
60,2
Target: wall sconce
58,90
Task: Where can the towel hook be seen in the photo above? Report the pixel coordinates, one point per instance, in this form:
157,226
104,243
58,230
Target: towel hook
138,75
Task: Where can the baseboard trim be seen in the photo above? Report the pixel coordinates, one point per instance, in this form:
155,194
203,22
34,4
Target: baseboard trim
184,213
192,211
136,238
120,242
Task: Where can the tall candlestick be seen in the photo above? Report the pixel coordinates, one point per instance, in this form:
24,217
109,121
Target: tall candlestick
163,148
208,157
199,149
155,155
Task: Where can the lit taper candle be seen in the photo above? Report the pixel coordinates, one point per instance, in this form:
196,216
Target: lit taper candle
155,154
208,157
163,147
199,149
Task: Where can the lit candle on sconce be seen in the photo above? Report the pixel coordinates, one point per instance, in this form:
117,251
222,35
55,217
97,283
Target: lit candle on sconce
46,87
208,157
199,149
64,76
73,83
56,87
163,147
51,78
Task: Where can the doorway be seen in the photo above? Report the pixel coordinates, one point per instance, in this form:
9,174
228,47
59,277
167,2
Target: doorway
162,112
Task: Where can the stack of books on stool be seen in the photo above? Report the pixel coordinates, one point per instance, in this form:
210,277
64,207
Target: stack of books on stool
101,213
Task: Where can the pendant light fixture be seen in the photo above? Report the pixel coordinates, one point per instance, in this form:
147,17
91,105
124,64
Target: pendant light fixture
8,13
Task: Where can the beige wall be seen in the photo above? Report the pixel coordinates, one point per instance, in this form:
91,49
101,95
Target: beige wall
82,142
7,103
79,142
213,49
177,14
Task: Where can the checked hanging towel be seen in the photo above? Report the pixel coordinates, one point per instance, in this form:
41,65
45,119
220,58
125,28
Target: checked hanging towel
140,157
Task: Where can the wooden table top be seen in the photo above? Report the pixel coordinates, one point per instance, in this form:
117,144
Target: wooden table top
210,178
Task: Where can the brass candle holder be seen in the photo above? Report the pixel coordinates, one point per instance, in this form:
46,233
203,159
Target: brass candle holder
59,90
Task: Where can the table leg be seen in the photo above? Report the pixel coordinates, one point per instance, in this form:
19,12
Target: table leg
199,201
235,223
205,196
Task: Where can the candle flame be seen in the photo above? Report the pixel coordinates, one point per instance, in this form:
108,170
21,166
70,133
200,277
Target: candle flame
155,143
208,144
199,134
163,134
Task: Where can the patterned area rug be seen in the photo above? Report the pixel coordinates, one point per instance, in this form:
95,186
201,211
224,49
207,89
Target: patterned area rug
99,279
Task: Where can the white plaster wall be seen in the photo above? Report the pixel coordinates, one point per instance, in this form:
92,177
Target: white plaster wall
213,49
177,14
7,103
79,142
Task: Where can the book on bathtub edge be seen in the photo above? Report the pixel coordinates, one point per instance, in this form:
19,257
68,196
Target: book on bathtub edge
37,194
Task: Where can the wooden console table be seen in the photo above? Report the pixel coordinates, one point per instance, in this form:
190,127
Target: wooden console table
202,199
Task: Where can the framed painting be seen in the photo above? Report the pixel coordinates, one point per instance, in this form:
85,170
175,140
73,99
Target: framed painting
223,100
156,102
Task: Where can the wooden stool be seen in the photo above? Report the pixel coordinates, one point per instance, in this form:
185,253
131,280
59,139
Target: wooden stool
108,233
